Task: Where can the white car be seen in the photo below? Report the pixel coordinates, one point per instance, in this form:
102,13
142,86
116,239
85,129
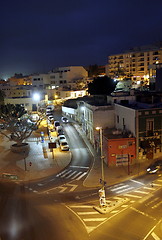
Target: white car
64,146
61,138
64,120
50,118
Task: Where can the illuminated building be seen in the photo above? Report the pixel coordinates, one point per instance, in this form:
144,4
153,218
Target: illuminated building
134,64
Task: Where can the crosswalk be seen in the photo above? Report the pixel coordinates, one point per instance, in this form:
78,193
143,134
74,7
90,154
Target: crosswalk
71,174
92,218
133,192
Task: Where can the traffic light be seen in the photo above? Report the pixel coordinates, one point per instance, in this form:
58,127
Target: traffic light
30,163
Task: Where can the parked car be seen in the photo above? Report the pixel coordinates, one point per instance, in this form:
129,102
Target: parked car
56,124
64,120
49,113
64,146
50,107
155,167
60,132
58,128
61,138
51,118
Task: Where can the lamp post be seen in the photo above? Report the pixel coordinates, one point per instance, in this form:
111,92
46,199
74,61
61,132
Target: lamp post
36,98
102,180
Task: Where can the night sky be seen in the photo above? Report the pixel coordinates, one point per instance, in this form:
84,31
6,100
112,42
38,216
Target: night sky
37,36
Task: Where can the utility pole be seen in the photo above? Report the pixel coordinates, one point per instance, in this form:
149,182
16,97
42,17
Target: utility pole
102,180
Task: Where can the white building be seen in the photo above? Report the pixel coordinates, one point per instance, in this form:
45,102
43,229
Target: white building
67,76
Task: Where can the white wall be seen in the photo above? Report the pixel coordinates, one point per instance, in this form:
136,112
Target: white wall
27,102
128,114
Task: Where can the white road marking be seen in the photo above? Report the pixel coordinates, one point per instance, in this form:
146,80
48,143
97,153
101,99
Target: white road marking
82,175
159,180
94,219
88,213
79,167
115,211
114,189
155,236
71,174
62,176
138,191
76,175
156,184
90,229
124,206
62,189
118,198
124,190
130,195
143,213
137,182
148,188
115,185
72,186
152,230
59,174
81,206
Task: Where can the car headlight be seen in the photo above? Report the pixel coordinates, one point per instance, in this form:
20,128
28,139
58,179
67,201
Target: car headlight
148,169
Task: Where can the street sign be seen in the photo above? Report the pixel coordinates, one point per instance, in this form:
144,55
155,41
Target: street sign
102,197
52,145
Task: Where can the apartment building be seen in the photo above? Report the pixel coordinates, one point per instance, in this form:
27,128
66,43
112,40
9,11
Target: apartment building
134,63
19,79
67,77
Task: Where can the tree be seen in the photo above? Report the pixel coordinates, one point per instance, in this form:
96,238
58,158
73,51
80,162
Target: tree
101,86
16,124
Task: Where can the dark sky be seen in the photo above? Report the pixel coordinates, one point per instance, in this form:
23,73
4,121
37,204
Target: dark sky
37,36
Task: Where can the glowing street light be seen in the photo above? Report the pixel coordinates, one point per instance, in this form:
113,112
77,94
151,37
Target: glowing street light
36,97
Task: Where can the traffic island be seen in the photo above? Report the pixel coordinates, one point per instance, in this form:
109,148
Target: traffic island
109,206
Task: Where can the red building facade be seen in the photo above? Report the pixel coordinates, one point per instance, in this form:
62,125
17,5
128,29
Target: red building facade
121,151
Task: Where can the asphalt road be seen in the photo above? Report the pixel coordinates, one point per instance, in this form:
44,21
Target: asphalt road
138,221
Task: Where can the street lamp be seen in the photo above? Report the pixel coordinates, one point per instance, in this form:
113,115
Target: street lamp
36,98
102,190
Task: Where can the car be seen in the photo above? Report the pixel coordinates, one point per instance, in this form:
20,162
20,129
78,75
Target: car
60,132
56,124
64,146
61,138
155,167
48,113
64,120
58,128
50,118
50,107
1,126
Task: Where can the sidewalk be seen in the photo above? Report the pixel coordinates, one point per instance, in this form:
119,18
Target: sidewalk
40,162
